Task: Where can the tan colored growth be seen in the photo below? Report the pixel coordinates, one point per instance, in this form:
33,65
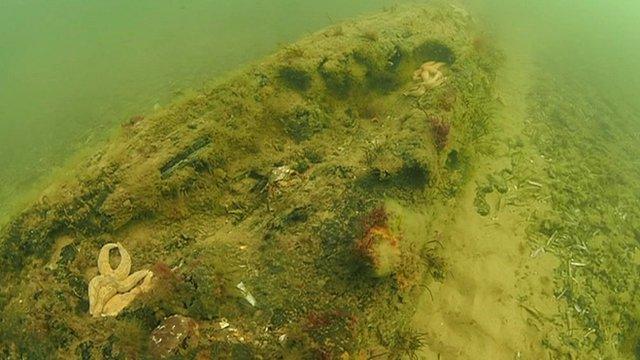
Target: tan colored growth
115,289
429,76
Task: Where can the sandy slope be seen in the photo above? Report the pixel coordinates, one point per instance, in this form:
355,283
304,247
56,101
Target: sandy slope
484,308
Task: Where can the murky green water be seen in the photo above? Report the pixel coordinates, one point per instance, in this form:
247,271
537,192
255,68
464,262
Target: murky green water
72,70
533,246
590,40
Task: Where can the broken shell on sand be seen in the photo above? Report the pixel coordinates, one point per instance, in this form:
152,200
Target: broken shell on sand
115,289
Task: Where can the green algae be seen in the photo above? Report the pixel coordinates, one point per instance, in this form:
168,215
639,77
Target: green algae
193,189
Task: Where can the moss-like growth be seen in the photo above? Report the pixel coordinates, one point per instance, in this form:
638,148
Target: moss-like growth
212,287
384,166
434,50
414,174
191,188
371,35
84,350
342,76
399,165
440,129
301,166
381,65
67,254
453,160
405,344
313,155
225,350
130,339
499,183
295,78
302,122
18,342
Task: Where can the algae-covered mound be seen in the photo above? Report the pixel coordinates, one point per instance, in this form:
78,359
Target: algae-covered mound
283,212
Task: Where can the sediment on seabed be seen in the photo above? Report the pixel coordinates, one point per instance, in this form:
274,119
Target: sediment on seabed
284,212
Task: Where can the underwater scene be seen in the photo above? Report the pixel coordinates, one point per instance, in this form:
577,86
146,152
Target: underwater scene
300,179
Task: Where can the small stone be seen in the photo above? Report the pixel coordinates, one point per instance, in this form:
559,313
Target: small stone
68,254
482,206
171,334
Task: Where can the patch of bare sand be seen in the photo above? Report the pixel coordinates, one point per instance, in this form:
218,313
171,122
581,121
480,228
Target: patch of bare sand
495,299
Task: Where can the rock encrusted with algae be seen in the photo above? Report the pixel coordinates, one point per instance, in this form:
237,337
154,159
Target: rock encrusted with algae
115,289
284,169
169,335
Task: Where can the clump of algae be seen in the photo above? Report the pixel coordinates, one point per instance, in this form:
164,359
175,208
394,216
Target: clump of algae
264,179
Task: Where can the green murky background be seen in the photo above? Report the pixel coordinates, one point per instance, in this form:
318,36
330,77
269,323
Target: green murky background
72,70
